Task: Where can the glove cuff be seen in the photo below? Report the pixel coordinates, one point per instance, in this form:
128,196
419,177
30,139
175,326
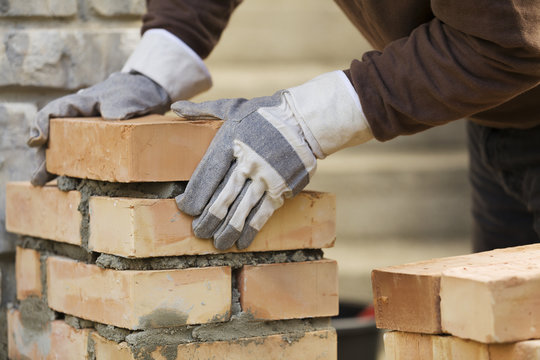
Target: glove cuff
172,64
329,112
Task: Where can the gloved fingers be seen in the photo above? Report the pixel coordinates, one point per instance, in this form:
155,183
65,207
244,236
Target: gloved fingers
256,220
41,176
219,109
204,182
233,225
205,225
68,106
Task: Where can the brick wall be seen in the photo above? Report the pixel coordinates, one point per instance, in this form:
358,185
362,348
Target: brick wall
49,49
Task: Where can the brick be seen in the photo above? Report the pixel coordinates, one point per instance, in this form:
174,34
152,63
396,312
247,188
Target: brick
63,58
406,297
139,299
290,290
44,212
119,7
493,303
314,345
55,8
56,340
413,346
151,148
28,273
131,227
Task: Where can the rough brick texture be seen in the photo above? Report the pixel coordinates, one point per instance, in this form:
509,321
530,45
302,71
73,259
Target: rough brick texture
406,296
315,345
28,273
152,148
54,8
139,299
146,227
290,291
44,212
412,346
493,303
51,341
64,59
119,7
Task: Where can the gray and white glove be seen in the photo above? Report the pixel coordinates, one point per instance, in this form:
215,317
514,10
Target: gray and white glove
143,87
266,151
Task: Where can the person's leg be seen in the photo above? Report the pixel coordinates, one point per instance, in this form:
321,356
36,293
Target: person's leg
500,217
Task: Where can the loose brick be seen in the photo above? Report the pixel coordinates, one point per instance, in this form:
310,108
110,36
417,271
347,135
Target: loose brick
55,340
44,212
119,7
139,299
63,58
151,148
38,8
406,297
314,345
413,346
28,273
493,303
290,290
148,227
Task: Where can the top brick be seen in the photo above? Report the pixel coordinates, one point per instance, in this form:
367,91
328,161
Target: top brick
151,148
55,8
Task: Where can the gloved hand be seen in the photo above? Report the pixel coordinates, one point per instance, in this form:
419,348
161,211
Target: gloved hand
121,96
266,151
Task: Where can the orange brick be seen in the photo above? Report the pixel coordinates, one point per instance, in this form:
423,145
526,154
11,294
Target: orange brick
151,148
148,227
27,273
290,290
406,296
315,345
56,341
139,299
44,212
502,299
413,346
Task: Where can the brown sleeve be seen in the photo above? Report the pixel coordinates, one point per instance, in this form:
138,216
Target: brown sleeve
473,56
199,23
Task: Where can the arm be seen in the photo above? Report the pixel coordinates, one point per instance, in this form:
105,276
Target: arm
472,57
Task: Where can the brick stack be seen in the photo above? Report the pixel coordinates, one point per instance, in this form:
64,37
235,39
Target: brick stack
108,268
489,304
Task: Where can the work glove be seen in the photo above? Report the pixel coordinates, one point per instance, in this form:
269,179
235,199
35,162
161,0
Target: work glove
162,69
266,151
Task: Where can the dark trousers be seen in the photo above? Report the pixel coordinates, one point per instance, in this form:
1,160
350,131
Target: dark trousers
505,178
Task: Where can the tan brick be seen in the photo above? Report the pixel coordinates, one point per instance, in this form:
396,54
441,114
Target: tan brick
44,212
148,227
55,341
290,290
314,345
406,297
414,346
27,273
493,303
151,148
139,299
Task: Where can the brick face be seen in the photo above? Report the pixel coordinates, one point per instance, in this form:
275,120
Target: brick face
314,345
28,273
148,227
54,8
290,291
44,212
119,7
62,59
56,340
139,299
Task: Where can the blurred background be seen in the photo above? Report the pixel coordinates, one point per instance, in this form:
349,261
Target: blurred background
397,202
